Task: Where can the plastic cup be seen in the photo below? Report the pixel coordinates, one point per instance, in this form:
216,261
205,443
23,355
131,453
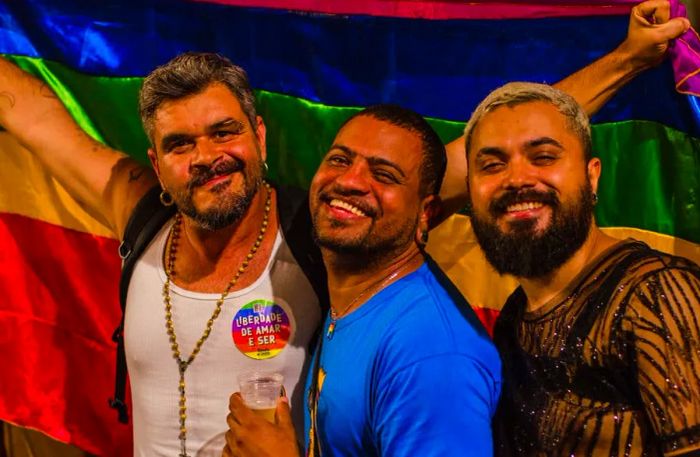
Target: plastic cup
260,391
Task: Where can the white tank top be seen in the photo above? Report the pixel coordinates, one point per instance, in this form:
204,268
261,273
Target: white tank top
267,326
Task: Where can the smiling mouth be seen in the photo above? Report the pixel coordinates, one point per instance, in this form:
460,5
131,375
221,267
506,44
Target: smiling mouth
336,203
524,206
214,180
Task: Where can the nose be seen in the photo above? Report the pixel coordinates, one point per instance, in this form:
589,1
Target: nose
520,174
355,178
206,153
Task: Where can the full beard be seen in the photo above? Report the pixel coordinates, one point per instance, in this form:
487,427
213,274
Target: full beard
525,253
230,206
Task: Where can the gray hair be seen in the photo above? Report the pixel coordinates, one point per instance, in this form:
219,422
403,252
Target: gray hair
189,74
517,93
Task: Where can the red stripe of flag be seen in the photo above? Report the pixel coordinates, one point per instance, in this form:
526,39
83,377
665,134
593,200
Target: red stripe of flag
58,311
444,9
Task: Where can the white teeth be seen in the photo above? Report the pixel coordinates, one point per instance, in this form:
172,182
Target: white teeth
347,206
524,206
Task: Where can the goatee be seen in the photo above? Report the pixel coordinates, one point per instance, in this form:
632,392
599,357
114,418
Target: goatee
231,206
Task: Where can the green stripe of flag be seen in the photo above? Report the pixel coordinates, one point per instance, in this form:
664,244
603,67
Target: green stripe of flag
650,178
651,172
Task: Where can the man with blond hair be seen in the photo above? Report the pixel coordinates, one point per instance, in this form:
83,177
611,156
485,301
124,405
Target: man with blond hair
600,343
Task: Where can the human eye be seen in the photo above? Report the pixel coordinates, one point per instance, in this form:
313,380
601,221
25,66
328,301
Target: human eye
224,134
337,160
385,176
544,158
178,146
491,165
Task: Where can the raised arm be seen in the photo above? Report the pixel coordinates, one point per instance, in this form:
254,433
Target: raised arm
650,30
108,183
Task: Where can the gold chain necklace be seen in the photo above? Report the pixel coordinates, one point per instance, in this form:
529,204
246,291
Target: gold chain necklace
374,287
183,364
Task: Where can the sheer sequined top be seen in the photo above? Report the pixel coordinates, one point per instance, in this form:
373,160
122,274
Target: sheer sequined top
611,366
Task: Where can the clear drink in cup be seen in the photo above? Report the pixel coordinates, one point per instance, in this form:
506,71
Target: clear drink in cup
260,391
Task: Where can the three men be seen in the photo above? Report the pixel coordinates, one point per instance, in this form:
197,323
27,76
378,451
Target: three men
222,259
600,344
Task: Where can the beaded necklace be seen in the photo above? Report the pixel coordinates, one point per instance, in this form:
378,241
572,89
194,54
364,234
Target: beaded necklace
183,364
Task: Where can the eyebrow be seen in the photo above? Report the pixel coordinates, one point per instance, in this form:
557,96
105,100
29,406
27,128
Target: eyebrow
372,160
545,140
490,151
500,153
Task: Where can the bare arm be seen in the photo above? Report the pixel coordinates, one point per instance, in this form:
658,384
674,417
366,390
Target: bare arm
108,183
648,35
650,30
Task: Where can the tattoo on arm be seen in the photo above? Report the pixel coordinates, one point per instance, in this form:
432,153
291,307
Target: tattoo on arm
45,91
135,173
10,98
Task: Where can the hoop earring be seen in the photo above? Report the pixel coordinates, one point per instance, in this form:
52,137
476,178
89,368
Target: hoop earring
423,238
266,168
595,198
166,199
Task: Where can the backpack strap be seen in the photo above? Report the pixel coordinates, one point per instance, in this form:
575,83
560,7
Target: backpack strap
145,221
295,222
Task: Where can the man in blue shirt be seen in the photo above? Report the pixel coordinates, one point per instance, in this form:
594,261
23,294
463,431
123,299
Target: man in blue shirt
403,366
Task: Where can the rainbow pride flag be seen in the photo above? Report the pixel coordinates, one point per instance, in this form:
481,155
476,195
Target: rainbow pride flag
313,63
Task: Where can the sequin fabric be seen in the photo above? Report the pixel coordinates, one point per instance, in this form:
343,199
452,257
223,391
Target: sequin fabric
610,367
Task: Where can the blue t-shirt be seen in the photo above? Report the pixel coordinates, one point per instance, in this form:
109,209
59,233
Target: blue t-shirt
412,372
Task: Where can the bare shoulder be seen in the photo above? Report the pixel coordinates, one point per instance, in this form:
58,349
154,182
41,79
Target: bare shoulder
128,183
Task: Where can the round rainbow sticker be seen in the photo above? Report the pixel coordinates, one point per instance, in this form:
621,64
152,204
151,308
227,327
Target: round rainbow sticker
261,329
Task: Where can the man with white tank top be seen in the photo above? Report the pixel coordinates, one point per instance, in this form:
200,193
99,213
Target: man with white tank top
228,277
235,297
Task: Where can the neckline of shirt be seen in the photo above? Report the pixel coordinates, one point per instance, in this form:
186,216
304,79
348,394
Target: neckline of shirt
177,290
551,308
371,303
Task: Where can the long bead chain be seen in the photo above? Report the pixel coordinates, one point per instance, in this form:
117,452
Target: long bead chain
183,364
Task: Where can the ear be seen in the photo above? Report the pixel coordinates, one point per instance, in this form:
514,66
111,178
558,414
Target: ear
431,207
153,158
260,131
593,171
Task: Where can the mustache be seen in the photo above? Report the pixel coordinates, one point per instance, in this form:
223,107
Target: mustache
202,173
499,205
347,196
